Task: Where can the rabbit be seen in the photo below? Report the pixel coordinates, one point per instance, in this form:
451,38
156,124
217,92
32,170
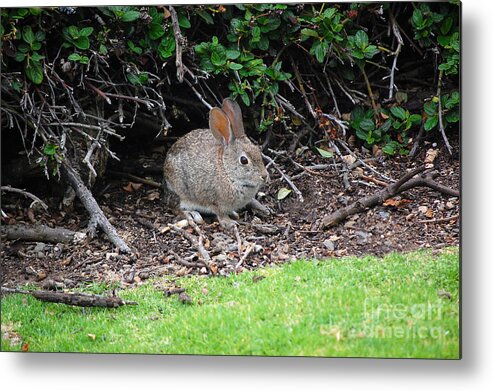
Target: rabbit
217,170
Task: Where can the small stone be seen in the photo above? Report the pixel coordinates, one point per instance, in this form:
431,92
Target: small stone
384,215
39,247
329,245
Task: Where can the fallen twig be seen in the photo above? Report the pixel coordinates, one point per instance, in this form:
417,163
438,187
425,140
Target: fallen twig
91,205
405,183
197,244
26,194
245,255
40,233
75,299
285,177
135,178
442,220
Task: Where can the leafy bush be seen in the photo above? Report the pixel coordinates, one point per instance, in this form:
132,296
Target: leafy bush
289,63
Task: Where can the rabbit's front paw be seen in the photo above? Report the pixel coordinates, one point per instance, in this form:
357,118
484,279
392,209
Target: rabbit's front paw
256,205
194,215
226,223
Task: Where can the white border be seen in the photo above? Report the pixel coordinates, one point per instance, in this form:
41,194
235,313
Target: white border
474,372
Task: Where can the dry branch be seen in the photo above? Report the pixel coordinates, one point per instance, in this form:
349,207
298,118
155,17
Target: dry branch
75,299
40,233
27,194
407,182
91,205
179,44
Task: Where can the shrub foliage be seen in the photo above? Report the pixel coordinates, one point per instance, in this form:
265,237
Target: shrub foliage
379,72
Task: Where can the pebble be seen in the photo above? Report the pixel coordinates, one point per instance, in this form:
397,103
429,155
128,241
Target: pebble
329,245
39,247
384,215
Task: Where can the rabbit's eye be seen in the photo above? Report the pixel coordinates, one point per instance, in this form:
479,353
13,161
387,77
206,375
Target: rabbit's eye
243,160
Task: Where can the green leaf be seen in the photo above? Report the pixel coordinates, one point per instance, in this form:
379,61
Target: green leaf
235,66
50,149
23,48
34,72
417,19
370,51
73,31
218,57
324,153
389,149
130,16
361,39
156,31
82,43
319,49
74,57
28,35
256,34
386,126
232,54
40,36
431,123
103,50
206,16
367,124
430,108
166,48
398,112
245,98
36,46
415,118
452,117
305,33
133,79
36,57
283,193
86,31
361,134
84,60
19,56
184,22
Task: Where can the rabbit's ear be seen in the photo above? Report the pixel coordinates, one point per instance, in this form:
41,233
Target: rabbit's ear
233,111
220,126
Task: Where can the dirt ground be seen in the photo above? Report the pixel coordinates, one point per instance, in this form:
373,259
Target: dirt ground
419,218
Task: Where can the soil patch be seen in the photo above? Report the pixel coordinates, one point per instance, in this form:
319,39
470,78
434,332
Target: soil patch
419,218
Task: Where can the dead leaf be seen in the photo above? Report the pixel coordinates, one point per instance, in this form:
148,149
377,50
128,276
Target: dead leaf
429,213
349,159
376,151
131,187
25,347
396,203
92,336
431,155
153,196
423,209
184,298
67,261
30,215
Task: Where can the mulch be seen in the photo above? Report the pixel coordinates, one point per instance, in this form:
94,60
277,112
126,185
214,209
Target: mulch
419,218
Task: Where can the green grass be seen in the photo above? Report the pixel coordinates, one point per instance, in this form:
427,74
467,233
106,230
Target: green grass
365,307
